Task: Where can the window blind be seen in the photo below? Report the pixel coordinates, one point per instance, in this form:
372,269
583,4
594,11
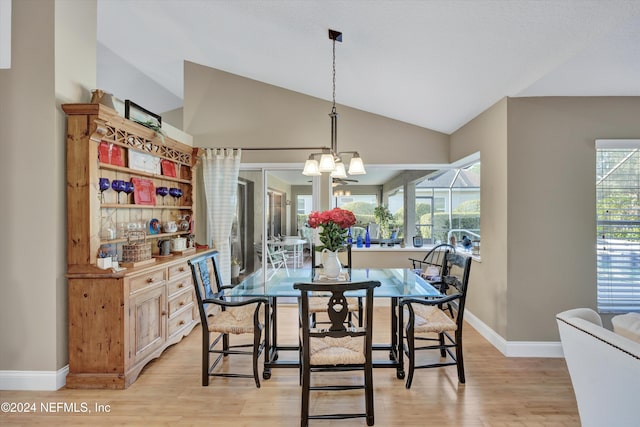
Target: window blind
618,225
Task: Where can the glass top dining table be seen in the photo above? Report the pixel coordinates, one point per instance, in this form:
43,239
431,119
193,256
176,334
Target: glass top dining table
394,283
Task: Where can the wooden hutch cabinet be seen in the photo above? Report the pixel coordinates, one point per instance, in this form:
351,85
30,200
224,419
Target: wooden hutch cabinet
121,320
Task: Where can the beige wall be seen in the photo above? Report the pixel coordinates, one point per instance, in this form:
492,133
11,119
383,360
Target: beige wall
551,204
33,259
226,110
487,134
538,207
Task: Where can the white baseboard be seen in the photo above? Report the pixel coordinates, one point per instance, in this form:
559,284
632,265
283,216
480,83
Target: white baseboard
34,380
514,348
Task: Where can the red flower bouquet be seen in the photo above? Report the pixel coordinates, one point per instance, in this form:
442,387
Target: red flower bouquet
335,223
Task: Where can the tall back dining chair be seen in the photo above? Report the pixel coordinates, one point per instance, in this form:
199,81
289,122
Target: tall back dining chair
318,305
338,347
434,259
425,317
220,316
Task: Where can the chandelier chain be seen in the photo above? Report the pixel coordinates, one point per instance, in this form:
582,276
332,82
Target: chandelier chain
333,109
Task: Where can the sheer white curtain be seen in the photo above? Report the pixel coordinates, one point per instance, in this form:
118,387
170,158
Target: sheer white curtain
220,167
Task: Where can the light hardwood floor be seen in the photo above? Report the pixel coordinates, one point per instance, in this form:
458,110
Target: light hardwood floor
499,391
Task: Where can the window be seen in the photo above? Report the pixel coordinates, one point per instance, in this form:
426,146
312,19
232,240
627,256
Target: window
618,225
395,202
361,205
303,204
448,205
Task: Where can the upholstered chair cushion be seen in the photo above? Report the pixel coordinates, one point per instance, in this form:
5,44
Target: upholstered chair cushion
627,325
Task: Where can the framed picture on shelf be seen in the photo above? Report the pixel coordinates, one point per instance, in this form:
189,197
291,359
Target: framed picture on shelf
144,192
110,153
168,168
136,113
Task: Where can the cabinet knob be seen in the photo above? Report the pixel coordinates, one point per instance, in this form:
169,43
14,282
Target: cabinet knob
181,303
181,285
181,269
181,322
150,280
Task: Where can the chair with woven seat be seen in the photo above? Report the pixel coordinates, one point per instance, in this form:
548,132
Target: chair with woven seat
223,317
318,305
339,347
427,317
434,259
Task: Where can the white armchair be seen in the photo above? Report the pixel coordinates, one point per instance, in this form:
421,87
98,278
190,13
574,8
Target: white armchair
604,369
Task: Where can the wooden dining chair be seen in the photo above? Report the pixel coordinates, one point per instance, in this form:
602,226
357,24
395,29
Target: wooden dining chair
318,305
224,318
339,347
422,318
433,258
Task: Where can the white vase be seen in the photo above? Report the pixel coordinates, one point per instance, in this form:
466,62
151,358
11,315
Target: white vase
331,264
235,270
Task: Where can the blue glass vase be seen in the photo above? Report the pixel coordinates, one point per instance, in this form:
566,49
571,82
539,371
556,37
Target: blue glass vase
367,238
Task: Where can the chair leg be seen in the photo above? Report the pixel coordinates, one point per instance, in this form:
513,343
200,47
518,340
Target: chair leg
225,343
313,320
205,357
459,358
304,411
257,335
412,355
368,386
443,351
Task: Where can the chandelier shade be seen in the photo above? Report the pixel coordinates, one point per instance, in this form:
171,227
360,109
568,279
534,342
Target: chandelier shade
311,167
327,163
339,171
356,167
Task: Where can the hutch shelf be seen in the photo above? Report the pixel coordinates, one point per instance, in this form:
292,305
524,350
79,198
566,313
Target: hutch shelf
121,320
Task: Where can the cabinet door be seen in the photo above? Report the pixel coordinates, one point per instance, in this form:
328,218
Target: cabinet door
148,322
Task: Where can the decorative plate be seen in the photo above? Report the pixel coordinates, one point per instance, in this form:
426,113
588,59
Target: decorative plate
144,192
144,162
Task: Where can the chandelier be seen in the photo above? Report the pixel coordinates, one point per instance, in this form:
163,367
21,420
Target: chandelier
330,158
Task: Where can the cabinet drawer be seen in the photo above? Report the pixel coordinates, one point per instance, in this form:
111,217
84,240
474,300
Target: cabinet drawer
178,269
149,279
180,321
179,285
180,301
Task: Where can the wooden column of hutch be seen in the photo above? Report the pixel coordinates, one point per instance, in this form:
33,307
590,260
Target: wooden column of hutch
119,321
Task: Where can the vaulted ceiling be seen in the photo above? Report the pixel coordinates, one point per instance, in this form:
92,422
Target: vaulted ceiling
433,63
